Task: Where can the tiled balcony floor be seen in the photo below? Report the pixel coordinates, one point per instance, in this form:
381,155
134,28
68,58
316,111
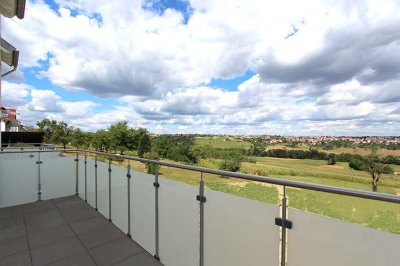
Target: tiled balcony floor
65,231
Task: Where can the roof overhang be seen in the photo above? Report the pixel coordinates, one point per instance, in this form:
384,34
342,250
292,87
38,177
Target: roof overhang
9,55
11,8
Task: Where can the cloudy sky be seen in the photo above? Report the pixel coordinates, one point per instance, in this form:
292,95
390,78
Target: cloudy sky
207,66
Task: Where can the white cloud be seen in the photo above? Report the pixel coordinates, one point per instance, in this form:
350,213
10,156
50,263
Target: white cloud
332,63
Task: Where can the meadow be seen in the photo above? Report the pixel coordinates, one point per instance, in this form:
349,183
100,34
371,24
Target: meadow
221,142
370,213
375,214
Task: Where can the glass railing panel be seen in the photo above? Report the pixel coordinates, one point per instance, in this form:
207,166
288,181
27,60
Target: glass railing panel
179,222
102,187
81,176
58,176
238,230
18,179
142,210
330,229
90,180
119,197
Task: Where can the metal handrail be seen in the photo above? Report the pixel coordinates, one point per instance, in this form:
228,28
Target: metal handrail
264,179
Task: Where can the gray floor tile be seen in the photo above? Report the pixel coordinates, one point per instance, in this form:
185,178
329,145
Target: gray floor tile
11,222
19,259
56,251
43,223
32,217
50,235
79,259
100,236
10,212
89,224
12,232
67,199
81,206
141,259
12,246
72,217
39,206
115,251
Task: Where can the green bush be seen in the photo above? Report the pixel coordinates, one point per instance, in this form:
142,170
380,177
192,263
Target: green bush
152,168
357,164
231,165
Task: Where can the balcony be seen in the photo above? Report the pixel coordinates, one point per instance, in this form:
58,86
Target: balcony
68,206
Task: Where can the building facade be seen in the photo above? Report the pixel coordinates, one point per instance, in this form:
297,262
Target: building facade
9,121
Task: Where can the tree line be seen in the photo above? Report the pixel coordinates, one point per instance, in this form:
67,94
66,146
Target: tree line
121,138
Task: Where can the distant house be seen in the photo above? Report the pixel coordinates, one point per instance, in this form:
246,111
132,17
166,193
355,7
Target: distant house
9,121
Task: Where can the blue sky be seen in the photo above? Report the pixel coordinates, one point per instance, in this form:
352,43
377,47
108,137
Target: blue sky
202,66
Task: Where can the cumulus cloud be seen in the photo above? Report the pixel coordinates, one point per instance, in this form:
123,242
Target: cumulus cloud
335,64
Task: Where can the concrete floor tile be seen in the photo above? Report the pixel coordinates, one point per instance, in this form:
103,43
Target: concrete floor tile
19,259
50,235
141,259
100,236
115,251
56,251
12,246
89,224
80,259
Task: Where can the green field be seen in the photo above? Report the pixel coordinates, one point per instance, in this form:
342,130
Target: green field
361,151
375,214
221,142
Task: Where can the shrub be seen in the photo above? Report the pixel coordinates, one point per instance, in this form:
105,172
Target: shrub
231,165
388,170
152,168
357,164
331,159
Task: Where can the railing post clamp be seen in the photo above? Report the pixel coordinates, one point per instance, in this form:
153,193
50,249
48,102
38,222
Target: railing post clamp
201,198
283,223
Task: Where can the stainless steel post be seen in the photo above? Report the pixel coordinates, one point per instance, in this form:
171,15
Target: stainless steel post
39,162
202,200
77,175
157,239
109,190
85,177
95,182
283,243
128,175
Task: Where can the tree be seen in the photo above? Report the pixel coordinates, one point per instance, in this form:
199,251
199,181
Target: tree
375,168
161,145
78,138
101,140
48,127
121,136
143,143
55,132
62,134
